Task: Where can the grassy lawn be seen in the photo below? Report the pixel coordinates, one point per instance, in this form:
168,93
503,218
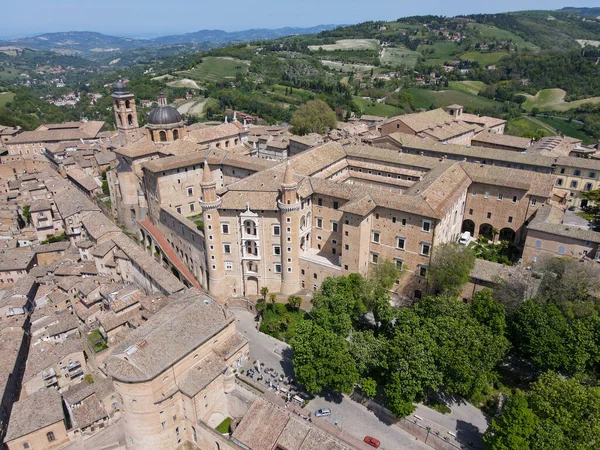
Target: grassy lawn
424,98
468,87
224,426
395,56
526,127
554,99
197,219
214,68
299,93
568,129
349,44
97,341
442,52
279,321
484,58
6,97
377,109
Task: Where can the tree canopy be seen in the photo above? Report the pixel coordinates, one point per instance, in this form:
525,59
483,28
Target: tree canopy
314,116
450,267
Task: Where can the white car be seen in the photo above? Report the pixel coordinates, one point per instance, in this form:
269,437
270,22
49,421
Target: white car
323,412
465,238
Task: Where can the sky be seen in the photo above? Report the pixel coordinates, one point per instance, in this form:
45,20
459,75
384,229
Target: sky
150,18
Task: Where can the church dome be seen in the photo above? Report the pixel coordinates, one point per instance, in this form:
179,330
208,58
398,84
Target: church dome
164,115
120,88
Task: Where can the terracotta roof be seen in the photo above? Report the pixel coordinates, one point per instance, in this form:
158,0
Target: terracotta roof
34,412
169,335
142,147
98,225
46,354
16,259
516,142
489,271
486,121
548,219
68,131
422,121
40,205
209,134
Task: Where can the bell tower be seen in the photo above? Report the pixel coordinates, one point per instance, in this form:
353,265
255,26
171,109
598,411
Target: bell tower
289,207
210,204
126,119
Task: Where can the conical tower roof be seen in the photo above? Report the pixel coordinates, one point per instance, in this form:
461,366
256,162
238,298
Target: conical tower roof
288,178
207,177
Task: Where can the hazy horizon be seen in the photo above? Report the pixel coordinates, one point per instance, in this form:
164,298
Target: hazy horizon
150,17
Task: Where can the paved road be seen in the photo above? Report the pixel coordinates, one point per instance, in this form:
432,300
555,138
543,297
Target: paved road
352,417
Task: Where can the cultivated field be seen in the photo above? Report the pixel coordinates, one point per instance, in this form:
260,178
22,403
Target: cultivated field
6,97
484,58
194,106
377,109
584,42
216,68
424,98
347,68
349,44
468,87
439,52
395,56
554,99
184,83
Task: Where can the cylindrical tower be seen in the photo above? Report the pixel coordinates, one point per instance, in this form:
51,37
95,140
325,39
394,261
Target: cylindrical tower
210,204
289,207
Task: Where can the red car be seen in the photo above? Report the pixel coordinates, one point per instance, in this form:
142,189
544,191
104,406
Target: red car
372,441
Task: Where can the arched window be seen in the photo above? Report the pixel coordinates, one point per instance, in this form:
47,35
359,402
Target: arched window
127,104
175,135
163,136
50,436
251,248
129,119
250,227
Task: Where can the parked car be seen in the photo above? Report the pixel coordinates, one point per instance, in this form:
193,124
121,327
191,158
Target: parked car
464,238
372,441
323,412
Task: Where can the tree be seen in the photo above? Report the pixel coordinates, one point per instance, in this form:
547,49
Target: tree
273,298
489,312
27,214
264,291
294,302
591,211
315,116
367,350
450,267
321,359
260,307
515,428
368,386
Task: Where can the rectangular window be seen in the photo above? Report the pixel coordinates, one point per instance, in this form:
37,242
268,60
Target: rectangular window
393,219
190,191
426,226
510,219
277,268
577,172
374,258
592,174
192,207
178,209
277,250
376,237
225,228
425,248
346,247
422,271
500,197
470,212
227,248
276,230
320,201
489,215
401,243
486,194
399,263
319,222
228,265
403,222
533,201
334,226
474,192
335,205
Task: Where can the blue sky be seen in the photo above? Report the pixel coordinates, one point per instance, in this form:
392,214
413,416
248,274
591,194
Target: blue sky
161,17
